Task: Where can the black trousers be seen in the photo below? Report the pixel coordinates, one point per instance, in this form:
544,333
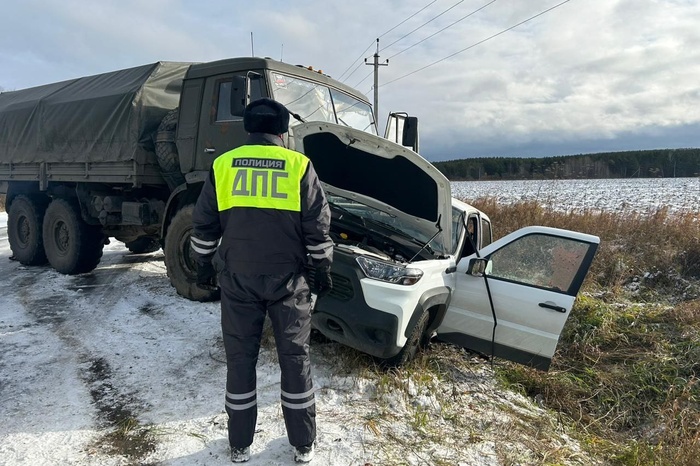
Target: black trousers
245,300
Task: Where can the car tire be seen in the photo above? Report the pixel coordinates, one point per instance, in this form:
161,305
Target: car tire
72,246
180,260
24,230
413,344
143,245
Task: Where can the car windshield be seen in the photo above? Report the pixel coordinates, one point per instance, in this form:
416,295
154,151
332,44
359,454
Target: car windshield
369,216
316,102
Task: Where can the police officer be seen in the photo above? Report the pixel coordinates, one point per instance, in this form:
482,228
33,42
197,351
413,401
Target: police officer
266,206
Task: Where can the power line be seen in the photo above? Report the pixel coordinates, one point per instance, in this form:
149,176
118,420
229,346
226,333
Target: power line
361,55
363,79
475,44
414,14
424,24
353,71
443,29
372,43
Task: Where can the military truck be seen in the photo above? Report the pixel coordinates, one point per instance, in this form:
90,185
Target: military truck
124,154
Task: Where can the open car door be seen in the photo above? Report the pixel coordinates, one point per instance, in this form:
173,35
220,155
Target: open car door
513,298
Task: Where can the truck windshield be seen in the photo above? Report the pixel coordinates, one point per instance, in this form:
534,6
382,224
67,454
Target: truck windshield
317,102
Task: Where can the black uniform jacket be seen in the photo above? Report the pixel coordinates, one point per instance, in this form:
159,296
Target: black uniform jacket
262,241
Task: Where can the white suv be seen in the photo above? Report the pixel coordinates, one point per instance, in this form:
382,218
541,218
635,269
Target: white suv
411,262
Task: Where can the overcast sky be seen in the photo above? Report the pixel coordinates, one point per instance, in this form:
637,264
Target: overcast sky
586,76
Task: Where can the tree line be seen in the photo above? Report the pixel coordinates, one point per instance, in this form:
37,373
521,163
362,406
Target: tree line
658,163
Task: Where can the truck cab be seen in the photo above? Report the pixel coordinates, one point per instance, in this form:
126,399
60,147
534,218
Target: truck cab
214,96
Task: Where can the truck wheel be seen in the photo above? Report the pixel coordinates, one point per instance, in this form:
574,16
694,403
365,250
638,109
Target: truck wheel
143,245
24,230
166,150
180,261
413,344
72,246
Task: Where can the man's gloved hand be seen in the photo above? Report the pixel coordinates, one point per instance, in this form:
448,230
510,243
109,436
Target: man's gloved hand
206,276
323,281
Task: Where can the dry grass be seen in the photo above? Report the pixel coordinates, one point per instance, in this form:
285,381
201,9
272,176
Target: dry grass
2,202
628,368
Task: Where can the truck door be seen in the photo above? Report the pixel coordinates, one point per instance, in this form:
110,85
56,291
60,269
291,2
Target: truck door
516,308
220,130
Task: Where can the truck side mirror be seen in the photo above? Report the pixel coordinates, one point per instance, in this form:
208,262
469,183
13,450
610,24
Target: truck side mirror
241,92
477,267
409,138
402,129
239,95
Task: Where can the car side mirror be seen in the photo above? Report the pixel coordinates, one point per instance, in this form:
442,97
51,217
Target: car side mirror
477,267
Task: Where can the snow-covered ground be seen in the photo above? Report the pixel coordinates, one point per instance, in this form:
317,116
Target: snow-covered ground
625,195
81,356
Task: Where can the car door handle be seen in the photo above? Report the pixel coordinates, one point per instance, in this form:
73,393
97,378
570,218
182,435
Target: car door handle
554,307
451,269
209,150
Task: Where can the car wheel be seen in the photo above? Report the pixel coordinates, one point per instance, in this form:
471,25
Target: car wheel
413,344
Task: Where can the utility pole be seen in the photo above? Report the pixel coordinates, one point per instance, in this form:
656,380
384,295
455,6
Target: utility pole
376,65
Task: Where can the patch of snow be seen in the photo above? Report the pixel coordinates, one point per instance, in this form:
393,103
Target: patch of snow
613,195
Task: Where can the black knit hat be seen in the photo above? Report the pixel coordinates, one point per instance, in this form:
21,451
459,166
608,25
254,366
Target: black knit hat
266,116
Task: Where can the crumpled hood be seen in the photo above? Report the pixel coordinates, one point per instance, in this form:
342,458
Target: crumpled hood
379,173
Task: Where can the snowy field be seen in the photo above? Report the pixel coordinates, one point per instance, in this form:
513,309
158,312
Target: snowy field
80,354
624,195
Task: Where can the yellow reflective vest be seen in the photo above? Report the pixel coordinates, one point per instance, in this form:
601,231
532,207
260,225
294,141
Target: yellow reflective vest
260,176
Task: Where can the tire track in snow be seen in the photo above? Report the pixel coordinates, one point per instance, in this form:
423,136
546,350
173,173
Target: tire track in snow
73,308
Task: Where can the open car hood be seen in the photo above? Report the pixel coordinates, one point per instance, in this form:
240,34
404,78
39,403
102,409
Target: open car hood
377,172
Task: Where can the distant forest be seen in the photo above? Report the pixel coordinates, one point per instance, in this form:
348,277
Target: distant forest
661,163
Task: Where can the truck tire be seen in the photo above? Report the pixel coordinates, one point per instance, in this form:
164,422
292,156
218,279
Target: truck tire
143,245
180,261
72,246
24,230
413,344
166,150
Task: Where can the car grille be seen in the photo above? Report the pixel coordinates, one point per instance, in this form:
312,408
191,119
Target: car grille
342,286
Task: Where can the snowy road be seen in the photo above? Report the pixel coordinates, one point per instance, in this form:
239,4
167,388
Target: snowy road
87,353
82,355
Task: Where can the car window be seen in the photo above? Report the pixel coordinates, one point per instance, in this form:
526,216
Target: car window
540,260
486,234
473,230
457,228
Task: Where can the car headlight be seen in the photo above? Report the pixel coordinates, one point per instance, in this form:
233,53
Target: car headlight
388,272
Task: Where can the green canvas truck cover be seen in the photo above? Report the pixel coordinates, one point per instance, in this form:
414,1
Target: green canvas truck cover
110,117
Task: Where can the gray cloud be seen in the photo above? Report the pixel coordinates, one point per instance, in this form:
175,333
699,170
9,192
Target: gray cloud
604,74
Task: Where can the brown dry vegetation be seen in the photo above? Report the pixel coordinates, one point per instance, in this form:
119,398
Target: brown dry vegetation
627,374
